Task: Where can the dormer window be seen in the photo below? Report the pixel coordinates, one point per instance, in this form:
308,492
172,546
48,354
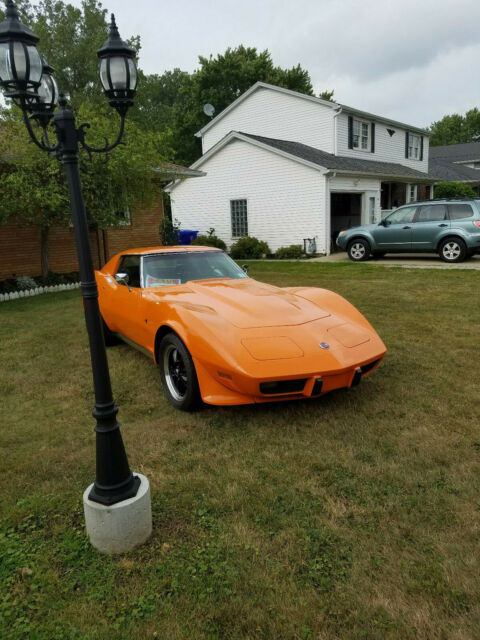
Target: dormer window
361,135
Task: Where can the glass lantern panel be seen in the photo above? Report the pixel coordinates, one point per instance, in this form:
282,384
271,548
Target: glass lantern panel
35,64
45,90
5,66
20,61
118,73
103,74
133,74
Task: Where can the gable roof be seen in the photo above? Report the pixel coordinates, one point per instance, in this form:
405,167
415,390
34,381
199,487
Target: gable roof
326,103
319,160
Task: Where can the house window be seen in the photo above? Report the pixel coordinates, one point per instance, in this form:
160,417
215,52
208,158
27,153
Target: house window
361,135
413,147
238,210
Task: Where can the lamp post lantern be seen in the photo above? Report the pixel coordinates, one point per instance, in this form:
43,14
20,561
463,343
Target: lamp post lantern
28,80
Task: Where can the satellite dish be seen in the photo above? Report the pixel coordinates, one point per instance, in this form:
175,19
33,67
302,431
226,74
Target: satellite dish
208,110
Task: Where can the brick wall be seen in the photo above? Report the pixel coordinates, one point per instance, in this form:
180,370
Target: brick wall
20,244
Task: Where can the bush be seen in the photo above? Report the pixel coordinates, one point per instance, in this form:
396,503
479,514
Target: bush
26,282
249,248
210,241
169,231
454,190
293,252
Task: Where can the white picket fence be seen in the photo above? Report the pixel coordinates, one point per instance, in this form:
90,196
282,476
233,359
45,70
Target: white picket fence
37,291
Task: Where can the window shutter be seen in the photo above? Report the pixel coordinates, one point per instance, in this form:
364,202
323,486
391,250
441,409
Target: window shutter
373,137
350,132
421,147
406,144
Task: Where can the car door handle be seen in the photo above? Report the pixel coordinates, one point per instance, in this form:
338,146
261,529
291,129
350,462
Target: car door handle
406,227
443,225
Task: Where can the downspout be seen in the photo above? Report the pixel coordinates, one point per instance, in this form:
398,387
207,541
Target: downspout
335,144
328,213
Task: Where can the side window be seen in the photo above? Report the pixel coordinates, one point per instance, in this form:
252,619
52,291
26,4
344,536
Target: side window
401,216
460,211
238,210
431,213
131,266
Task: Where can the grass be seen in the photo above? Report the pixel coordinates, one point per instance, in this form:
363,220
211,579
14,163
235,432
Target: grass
352,516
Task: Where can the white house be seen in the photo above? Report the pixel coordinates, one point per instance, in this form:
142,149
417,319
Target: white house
284,166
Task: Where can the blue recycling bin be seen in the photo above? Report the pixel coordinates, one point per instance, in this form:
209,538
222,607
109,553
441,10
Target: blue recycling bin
186,236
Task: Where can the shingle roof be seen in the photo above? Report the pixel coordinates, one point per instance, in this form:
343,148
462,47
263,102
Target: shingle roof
460,152
341,163
445,169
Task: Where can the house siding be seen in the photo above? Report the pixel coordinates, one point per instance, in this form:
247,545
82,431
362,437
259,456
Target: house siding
285,200
387,148
277,115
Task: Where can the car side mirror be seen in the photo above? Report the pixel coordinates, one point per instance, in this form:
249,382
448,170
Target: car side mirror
122,278
245,267
382,223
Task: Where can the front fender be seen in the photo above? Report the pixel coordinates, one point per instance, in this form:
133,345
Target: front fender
365,235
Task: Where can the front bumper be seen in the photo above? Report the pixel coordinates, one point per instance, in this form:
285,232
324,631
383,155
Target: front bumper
248,390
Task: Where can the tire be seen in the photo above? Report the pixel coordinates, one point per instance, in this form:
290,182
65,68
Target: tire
359,250
179,378
110,338
453,250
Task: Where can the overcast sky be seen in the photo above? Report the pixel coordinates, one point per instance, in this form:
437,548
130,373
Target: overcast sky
411,60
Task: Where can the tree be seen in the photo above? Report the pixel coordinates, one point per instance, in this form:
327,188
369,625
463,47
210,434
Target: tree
455,128
454,190
33,187
175,100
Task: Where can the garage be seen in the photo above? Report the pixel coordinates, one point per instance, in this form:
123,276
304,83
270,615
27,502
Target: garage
345,211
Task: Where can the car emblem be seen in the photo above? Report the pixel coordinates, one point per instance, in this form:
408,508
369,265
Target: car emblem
324,345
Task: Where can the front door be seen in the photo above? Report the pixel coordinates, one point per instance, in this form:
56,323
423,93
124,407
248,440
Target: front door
430,222
395,232
126,301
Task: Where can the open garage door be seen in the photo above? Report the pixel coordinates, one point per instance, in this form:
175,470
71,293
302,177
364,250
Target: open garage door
345,211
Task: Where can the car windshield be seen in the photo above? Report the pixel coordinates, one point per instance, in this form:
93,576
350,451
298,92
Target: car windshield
165,269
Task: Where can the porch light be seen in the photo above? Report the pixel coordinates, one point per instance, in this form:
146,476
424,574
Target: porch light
20,62
118,71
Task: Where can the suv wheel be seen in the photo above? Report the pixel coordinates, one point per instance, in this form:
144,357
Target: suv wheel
359,250
453,250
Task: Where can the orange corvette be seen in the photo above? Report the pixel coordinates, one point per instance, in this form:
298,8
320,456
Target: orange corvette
222,337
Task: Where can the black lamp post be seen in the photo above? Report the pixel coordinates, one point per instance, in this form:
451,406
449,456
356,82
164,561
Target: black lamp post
27,79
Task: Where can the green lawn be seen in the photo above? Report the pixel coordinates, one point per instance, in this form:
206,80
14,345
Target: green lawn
352,516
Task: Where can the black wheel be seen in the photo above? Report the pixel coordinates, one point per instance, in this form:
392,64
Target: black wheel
359,250
178,374
379,254
453,250
110,338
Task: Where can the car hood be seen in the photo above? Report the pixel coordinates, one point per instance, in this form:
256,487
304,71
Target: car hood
363,227
248,304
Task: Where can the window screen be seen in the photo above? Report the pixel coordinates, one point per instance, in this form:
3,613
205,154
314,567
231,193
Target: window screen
431,212
238,209
459,211
131,266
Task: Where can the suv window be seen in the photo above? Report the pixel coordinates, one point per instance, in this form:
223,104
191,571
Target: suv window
130,265
401,216
431,213
459,211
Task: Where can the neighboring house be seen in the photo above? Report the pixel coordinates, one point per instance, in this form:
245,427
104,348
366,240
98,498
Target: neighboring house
20,243
284,166
457,162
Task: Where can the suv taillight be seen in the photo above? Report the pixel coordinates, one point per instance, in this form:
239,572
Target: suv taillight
477,223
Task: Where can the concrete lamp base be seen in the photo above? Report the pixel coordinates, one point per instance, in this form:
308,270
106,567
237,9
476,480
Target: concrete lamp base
122,526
